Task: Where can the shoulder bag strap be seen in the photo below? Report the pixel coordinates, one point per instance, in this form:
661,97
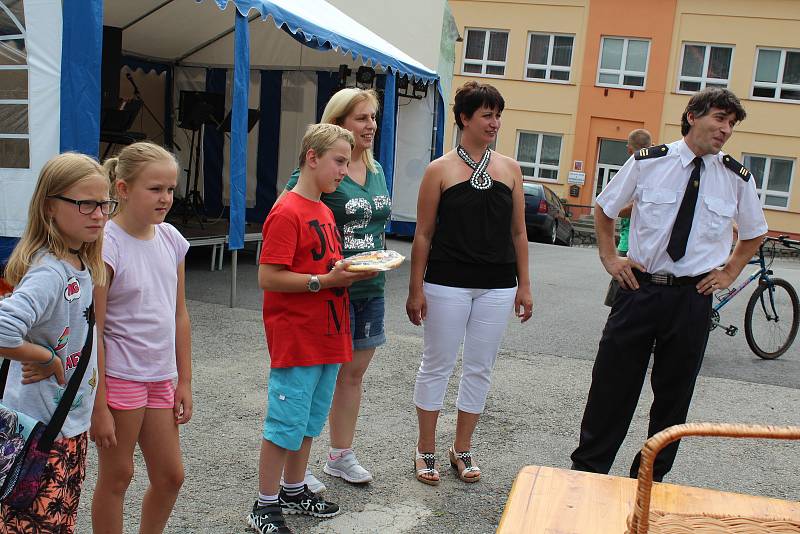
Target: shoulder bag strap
57,421
4,375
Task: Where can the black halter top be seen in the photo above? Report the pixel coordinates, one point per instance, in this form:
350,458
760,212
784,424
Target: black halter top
472,245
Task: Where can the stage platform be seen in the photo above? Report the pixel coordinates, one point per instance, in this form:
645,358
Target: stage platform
214,233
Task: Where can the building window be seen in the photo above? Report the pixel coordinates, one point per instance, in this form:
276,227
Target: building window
539,154
485,52
777,75
457,138
549,57
623,63
704,66
14,132
773,178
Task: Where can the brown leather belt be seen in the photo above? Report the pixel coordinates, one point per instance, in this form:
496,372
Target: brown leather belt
660,279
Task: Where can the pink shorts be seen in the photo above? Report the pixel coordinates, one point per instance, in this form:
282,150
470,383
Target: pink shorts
124,394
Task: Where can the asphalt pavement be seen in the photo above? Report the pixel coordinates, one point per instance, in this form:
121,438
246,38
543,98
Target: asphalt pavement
532,415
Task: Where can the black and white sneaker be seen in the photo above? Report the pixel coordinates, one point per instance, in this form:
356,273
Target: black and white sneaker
267,519
307,503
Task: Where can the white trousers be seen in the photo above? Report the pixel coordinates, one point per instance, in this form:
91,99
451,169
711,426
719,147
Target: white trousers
476,317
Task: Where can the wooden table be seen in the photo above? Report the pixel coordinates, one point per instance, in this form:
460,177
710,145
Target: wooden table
546,500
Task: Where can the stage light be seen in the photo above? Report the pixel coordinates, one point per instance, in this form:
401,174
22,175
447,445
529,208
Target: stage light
365,75
344,72
402,84
420,87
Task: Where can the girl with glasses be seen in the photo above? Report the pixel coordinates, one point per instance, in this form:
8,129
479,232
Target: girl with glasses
44,325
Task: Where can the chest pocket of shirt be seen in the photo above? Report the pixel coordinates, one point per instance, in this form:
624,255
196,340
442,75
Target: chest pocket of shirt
717,215
656,206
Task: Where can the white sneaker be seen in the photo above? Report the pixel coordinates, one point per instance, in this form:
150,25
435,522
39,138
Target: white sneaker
313,483
347,467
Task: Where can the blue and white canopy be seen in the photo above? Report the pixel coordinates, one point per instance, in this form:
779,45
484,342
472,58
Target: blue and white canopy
63,43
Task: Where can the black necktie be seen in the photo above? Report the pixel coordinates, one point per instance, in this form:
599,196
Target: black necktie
683,223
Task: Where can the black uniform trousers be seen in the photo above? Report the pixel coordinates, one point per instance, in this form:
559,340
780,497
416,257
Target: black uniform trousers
677,319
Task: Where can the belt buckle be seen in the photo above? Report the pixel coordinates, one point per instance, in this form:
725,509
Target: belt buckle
661,279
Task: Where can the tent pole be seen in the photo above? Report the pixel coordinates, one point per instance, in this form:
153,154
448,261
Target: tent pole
238,143
234,268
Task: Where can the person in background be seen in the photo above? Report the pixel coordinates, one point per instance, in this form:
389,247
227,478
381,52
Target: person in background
469,271
637,140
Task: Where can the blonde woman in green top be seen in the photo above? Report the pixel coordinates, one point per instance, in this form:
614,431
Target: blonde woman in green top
361,206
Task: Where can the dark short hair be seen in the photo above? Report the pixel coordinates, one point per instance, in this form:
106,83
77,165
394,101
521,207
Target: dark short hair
712,97
472,96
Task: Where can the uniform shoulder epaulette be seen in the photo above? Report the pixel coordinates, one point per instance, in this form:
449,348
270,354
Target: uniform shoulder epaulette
736,167
651,152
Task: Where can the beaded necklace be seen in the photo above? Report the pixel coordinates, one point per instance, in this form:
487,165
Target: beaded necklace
480,179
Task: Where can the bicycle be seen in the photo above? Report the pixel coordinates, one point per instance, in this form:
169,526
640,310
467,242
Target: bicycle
773,311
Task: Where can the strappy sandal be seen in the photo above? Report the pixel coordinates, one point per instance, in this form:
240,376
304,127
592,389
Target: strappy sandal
430,468
466,458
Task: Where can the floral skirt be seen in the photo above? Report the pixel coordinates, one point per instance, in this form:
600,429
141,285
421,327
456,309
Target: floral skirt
56,506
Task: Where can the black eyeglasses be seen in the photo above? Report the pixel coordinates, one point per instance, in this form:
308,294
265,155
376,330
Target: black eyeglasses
87,207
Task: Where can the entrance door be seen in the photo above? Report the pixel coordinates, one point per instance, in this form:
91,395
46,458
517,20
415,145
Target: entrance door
611,157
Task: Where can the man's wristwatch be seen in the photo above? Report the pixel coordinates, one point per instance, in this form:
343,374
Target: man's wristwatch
314,284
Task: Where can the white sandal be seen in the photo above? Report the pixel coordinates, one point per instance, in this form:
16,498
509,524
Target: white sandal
465,457
430,468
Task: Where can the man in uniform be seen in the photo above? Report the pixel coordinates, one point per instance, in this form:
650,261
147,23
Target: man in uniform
686,195
637,140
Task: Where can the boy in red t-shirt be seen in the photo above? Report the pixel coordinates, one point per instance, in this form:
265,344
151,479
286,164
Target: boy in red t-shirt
307,322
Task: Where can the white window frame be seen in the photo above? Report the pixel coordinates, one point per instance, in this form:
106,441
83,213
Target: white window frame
764,190
484,62
549,66
536,164
622,71
16,101
778,85
457,138
703,79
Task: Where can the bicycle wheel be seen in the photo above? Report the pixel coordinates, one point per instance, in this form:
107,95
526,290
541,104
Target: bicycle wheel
770,321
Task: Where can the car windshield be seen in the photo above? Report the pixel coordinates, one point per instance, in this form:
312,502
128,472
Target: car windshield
532,189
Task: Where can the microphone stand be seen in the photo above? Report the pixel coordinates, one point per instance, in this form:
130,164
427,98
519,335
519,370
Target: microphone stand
138,97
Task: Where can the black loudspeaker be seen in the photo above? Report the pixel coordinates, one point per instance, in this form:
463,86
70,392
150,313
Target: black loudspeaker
112,63
200,107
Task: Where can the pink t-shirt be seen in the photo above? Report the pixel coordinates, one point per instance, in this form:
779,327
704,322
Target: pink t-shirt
139,332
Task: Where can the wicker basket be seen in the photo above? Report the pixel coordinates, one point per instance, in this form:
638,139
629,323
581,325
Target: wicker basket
642,520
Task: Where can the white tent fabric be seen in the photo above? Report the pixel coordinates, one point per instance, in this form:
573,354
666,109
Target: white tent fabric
42,28
210,41
187,33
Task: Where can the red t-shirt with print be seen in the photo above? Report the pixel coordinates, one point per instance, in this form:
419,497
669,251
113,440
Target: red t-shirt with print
305,328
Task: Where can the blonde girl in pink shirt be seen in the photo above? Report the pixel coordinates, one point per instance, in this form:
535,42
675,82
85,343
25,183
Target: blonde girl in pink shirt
144,351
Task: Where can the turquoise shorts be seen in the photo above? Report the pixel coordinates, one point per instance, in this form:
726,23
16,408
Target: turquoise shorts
298,402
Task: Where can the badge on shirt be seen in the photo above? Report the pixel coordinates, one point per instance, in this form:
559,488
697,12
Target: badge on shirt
73,289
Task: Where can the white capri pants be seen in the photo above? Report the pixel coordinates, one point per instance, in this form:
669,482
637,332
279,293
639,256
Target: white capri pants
478,317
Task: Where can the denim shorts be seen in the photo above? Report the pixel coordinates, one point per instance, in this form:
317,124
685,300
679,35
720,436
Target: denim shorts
299,399
366,323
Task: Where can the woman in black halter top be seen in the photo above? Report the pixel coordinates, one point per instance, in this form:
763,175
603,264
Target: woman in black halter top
469,269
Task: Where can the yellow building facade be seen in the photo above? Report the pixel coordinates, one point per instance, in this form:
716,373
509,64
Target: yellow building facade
749,47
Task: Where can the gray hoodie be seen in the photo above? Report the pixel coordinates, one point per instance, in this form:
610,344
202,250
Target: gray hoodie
49,307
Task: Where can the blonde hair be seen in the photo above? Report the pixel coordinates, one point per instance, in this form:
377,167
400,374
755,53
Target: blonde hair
57,176
128,164
342,104
321,137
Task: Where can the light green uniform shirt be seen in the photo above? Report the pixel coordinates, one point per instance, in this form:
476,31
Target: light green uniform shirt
624,230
